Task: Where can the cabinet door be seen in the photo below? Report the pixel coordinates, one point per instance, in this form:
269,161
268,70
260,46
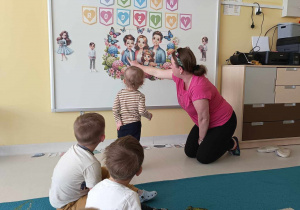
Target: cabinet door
260,85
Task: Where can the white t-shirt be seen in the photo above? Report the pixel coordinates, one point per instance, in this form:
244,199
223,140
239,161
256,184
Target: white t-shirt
109,195
76,169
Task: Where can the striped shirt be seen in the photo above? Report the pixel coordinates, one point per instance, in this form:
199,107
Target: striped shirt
129,106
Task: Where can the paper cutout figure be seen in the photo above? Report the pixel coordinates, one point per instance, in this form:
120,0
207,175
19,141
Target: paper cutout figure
203,48
92,56
129,43
140,45
63,41
160,54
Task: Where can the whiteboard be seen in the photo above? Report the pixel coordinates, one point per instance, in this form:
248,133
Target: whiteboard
75,87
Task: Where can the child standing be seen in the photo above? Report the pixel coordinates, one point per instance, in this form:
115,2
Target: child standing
78,170
129,104
92,56
123,159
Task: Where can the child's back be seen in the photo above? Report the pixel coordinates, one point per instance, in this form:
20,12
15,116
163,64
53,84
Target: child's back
123,159
76,171
129,104
112,195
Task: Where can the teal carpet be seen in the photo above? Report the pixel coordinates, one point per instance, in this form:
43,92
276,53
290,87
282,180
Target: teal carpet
258,190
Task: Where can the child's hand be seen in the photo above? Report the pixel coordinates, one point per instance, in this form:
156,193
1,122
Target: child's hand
119,124
151,115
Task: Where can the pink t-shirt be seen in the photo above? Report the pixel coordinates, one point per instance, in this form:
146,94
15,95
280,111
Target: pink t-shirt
220,110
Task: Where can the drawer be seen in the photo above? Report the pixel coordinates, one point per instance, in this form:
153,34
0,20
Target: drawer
271,112
259,85
270,130
288,76
287,94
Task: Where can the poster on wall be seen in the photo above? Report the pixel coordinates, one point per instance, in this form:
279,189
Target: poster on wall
89,48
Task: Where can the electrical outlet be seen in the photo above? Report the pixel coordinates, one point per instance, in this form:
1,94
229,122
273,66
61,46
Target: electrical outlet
256,10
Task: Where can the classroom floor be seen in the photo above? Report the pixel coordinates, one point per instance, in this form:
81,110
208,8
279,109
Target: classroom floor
23,177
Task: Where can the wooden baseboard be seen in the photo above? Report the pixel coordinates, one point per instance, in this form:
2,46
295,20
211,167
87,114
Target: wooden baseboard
266,142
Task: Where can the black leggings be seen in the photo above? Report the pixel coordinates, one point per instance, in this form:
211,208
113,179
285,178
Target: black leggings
217,141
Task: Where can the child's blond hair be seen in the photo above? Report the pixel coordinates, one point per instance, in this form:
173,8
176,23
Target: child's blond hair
134,77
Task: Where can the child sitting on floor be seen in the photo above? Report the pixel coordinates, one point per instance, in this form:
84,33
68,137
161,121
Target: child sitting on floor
78,170
123,159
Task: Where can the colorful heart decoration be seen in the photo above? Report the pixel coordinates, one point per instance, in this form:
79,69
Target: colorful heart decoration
89,14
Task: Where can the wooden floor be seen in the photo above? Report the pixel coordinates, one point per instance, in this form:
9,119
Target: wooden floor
23,177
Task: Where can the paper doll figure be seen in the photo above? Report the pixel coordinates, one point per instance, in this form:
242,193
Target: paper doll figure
129,43
140,45
160,54
148,58
203,48
63,41
92,56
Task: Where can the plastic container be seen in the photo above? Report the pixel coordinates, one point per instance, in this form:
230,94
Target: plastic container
288,30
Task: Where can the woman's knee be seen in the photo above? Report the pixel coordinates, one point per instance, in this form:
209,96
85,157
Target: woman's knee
190,153
204,159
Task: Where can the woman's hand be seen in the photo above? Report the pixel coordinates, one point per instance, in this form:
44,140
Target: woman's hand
132,63
152,64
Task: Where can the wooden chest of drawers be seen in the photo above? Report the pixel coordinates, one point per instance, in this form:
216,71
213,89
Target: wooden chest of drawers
266,100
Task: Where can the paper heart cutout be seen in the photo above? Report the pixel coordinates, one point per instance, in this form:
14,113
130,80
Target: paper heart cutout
171,20
155,19
139,17
141,2
123,16
174,2
185,21
156,2
89,14
106,15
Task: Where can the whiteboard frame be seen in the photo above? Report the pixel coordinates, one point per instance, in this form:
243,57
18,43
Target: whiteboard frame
52,72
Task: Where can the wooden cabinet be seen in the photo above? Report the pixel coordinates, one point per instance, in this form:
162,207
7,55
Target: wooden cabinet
266,100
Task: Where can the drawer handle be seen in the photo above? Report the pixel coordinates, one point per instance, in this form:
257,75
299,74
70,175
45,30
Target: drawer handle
290,87
288,122
258,105
292,104
292,69
257,123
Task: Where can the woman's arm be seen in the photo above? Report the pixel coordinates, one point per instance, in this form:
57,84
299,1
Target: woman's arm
160,73
202,108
